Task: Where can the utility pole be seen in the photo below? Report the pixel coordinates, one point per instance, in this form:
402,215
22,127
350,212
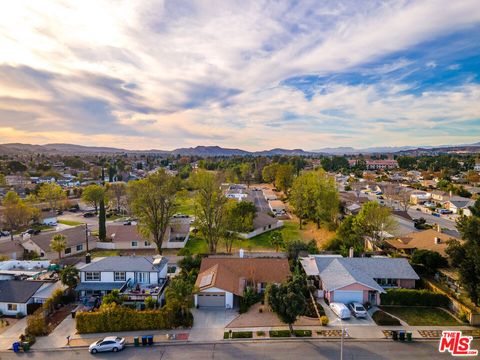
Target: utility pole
86,237
341,341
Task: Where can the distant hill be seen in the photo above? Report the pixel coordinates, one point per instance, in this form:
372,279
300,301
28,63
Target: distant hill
370,150
209,151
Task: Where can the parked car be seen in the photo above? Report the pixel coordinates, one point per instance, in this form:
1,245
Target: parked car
31,232
340,310
110,343
357,310
4,233
59,212
89,214
436,214
127,223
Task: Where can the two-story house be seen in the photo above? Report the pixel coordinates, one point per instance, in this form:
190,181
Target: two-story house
137,277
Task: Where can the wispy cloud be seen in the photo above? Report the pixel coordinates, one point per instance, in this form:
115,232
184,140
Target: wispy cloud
259,74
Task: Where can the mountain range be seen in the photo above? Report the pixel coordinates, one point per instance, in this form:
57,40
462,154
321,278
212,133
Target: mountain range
212,151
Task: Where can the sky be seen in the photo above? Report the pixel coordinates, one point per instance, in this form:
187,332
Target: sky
241,74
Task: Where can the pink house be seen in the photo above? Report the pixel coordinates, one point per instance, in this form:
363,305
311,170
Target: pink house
358,279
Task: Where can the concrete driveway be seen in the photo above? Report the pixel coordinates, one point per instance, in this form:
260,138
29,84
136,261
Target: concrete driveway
209,324
353,321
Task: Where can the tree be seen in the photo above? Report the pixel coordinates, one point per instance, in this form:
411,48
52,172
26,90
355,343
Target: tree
52,193
69,276
179,293
240,215
374,221
284,177
153,201
117,192
455,252
113,297
288,300
15,212
210,207
58,244
276,239
93,194
102,228
295,247
269,173
432,260
348,235
246,173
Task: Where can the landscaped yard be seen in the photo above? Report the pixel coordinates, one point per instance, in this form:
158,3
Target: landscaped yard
422,316
186,203
104,253
69,222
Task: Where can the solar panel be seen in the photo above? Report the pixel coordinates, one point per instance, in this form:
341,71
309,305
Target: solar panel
206,280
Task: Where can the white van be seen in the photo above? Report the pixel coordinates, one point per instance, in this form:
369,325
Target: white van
340,310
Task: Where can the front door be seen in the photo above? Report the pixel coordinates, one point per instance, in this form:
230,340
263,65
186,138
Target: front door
372,297
142,277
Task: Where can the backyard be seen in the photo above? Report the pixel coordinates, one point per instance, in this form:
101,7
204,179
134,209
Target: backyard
422,316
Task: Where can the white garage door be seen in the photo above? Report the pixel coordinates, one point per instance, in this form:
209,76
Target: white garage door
348,296
211,299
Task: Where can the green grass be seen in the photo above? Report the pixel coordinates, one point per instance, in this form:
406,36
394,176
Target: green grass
186,204
70,222
422,316
104,253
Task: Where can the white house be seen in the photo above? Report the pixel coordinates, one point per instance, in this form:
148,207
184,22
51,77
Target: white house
135,276
15,295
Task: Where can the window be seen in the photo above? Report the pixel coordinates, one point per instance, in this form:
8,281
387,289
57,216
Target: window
142,277
134,243
147,243
119,275
92,276
12,307
80,247
68,250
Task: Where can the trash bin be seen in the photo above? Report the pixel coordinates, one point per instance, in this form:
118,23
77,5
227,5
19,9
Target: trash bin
144,340
150,340
26,346
73,314
136,342
409,336
16,347
401,335
394,335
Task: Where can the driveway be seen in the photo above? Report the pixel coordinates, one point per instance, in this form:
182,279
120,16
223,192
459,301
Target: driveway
209,324
11,335
353,321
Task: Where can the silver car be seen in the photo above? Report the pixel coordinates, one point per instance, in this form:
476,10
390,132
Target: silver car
358,310
110,343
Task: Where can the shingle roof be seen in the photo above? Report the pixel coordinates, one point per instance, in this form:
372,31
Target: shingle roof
230,274
74,236
262,219
125,263
424,240
16,291
337,272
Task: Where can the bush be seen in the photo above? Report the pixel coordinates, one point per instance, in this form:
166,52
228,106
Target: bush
226,335
324,320
382,318
37,324
412,297
30,339
279,333
302,333
115,318
249,298
432,260
20,315
260,333
242,335
150,303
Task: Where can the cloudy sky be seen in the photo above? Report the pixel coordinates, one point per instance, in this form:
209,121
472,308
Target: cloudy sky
254,75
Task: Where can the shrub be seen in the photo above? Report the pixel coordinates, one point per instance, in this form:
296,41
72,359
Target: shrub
382,318
37,324
242,335
150,303
20,315
432,260
30,339
249,298
279,333
324,320
412,297
115,318
226,335
463,316
260,333
302,333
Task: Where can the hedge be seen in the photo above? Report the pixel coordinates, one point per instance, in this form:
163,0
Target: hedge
302,333
242,335
280,333
412,297
382,318
120,318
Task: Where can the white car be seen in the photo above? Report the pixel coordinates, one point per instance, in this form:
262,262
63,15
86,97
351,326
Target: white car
358,310
110,343
340,310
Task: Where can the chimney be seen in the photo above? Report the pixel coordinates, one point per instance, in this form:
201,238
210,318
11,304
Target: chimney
350,252
436,240
88,258
241,253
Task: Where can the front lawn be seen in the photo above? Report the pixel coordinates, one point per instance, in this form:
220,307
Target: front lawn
422,316
104,253
69,222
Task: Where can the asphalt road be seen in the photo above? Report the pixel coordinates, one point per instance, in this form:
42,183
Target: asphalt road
444,222
317,350
259,201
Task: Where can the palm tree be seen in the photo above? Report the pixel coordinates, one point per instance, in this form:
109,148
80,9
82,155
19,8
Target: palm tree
69,276
58,244
179,293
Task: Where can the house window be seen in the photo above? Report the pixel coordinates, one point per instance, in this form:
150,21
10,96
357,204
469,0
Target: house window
80,247
92,276
142,277
68,250
12,307
119,276
134,243
147,243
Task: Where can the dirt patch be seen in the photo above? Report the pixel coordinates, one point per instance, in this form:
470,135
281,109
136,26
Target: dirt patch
321,236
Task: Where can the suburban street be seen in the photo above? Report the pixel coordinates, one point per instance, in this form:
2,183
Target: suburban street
263,350
259,201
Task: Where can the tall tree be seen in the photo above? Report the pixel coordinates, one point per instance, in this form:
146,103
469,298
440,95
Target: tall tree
15,212
276,239
210,207
58,244
51,193
246,172
102,220
153,201
93,194
69,276
375,220
117,192
284,177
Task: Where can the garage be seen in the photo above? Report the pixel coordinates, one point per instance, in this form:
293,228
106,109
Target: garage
343,296
212,299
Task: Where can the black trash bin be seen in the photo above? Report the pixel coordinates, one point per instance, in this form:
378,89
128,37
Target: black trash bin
73,314
136,341
409,336
401,335
144,340
150,340
394,335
